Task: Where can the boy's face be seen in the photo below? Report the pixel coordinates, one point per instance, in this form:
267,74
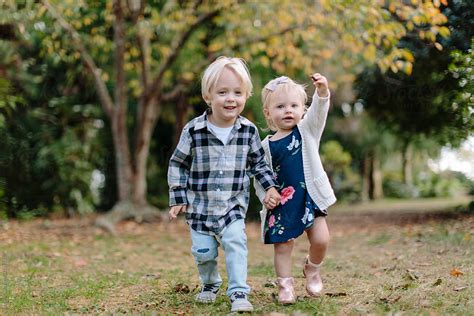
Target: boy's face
285,109
227,99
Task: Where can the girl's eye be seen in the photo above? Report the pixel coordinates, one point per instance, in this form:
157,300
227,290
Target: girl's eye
221,92
238,92
294,105
280,106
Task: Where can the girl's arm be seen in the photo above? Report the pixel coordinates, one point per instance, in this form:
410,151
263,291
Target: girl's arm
315,117
178,170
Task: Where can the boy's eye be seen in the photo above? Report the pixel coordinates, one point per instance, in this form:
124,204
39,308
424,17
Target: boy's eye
221,92
294,105
238,92
280,106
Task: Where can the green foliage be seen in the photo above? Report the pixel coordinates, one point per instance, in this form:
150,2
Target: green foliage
440,185
435,99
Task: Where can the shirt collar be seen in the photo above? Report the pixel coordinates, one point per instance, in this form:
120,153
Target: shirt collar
201,121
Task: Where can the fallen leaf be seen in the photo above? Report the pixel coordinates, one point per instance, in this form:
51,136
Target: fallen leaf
460,288
151,276
456,272
80,262
335,294
181,288
438,282
412,274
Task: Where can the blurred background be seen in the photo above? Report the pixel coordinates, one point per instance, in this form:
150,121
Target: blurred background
94,94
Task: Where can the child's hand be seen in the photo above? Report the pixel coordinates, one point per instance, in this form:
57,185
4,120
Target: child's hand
272,198
321,84
175,210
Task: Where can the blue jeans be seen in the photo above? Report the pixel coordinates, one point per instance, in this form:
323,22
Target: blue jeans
234,243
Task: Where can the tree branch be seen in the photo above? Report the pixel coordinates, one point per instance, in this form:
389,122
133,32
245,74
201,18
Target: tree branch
154,89
119,53
105,98
173,94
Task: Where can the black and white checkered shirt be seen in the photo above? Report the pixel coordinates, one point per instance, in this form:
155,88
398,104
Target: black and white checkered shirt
212,178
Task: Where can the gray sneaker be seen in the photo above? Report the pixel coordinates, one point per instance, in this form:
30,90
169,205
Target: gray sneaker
240,303
208,293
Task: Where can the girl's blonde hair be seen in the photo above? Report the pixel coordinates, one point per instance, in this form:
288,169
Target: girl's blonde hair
285,85
214,70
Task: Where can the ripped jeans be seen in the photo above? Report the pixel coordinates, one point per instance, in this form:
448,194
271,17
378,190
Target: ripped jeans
234,243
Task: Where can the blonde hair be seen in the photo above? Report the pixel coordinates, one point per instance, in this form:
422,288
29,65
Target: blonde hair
284,85
214,70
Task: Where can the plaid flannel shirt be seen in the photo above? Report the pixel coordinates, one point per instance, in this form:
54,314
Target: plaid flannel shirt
212,178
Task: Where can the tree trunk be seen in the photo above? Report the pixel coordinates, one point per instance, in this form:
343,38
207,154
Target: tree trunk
365,170
181,112
377,179
407,157
132,201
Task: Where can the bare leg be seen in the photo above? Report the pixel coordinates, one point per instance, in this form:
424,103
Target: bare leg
282,259
318,236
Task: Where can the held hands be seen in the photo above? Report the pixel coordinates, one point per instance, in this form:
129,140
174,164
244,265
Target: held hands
175,210
272,198
321,84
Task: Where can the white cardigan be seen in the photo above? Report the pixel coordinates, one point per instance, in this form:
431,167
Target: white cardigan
317,182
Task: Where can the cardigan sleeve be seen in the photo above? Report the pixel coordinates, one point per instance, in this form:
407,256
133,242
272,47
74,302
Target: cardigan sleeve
315,118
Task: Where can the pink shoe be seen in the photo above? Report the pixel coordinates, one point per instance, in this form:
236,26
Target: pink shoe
314,284
286,292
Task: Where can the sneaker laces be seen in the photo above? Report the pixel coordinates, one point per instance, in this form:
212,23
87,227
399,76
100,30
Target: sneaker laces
238,295
210,288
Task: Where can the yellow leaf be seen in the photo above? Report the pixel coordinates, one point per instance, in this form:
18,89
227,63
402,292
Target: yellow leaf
393,68
370,53
407,55
410,26
87,21
444,31
265,61
444,2
392,7
438,46
408,69
189,76
215,47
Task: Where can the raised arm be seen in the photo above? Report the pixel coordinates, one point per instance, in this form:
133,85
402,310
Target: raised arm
315,118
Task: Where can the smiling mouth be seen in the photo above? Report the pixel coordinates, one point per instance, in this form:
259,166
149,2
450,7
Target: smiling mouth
230,107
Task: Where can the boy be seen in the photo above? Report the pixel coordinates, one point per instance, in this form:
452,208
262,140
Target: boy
208,177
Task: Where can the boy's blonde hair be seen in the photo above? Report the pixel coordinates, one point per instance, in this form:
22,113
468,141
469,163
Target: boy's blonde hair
285,85
214,70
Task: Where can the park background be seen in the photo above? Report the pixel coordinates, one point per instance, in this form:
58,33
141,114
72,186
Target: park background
93,97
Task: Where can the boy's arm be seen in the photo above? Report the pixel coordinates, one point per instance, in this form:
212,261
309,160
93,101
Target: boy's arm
258,166
178,170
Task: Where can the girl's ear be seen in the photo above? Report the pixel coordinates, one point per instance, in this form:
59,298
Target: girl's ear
266,112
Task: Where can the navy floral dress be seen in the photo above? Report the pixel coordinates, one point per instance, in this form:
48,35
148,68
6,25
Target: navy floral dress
297,210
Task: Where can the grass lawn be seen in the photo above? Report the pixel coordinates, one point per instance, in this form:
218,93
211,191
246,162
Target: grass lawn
383,259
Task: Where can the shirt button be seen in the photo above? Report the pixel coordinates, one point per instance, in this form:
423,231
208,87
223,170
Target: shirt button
218,190
220,172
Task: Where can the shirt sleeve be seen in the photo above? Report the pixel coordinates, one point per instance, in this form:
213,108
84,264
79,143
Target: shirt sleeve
178,170
258,166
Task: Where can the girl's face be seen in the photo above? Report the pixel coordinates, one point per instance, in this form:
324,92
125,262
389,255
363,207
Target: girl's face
227,99
285,109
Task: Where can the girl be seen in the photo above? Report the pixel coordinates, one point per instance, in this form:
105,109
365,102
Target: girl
306,193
